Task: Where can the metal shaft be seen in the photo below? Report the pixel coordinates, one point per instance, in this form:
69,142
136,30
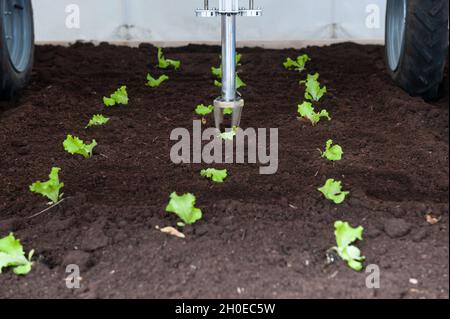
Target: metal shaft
229,57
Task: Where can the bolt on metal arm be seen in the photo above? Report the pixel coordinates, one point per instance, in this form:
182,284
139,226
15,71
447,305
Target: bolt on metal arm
230,99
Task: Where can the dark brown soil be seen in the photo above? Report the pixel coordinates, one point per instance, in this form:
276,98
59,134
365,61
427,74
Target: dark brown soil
261,236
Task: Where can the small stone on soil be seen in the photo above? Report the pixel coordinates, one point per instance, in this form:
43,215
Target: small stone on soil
396,228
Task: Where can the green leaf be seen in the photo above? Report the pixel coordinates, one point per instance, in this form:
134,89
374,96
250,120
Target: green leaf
227,111
118,97
332,190
238,58
50,188
239,83
229,134
313,90
345,236
164,63
184,207
217,71
306,110
203,110
333,153
153,83
97,120
298,65
74,145
215,175
12,255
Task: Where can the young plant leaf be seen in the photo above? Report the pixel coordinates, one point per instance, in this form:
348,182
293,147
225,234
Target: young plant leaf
203,110
153,83
118,97
332,190
238,59
333,152
12,255
50,188
97,120
299,64
184,207
217,72
74,145
228,135
306,110
313,90
217,176
164,63
227,111
345,236
239,83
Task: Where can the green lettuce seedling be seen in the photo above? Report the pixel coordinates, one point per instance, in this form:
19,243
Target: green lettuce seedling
215,175
238,59
97,120
164,63
217,72
118,97
298,65
227,111
74,145
332,152
229,135
153,83
239,83
306,110
184,207
313,90
203,110
332,190
345,236
50,188
12,255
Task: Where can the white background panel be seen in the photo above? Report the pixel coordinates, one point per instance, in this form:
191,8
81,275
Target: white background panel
174,20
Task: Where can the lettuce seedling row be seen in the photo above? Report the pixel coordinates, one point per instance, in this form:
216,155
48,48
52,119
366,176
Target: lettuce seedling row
279,225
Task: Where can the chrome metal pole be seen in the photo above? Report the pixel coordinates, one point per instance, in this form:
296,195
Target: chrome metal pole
230,99
229,57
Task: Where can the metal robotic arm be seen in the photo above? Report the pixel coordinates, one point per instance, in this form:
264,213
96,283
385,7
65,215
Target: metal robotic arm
228,11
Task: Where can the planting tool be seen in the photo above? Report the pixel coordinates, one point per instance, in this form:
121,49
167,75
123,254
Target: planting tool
231,99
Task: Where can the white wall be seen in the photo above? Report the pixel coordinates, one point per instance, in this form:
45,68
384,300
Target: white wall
174,20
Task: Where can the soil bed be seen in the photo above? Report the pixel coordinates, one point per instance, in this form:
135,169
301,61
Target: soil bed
261,236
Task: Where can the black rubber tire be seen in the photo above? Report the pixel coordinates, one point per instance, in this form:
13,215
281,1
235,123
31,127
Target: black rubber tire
11,79
424,47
